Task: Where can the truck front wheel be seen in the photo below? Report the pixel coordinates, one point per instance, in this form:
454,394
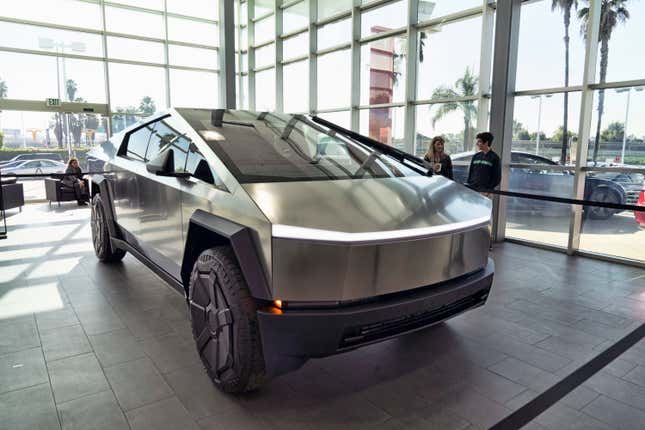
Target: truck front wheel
224,322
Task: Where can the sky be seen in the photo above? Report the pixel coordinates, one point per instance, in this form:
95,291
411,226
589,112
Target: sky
449,50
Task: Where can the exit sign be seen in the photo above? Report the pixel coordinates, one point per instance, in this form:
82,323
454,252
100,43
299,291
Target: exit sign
52,102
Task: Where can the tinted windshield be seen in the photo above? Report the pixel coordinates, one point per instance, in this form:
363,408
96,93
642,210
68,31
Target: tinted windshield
267,147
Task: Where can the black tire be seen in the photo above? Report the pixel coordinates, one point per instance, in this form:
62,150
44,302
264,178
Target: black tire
605,195
224,322
101,235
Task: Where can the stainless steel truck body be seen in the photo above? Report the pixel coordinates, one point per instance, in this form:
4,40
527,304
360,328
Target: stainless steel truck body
290,237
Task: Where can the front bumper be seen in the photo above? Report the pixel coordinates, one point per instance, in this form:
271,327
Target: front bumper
291,336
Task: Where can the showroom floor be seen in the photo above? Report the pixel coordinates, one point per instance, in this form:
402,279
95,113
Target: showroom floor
86,345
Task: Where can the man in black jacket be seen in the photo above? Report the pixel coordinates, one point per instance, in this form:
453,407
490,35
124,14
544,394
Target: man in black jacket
485,167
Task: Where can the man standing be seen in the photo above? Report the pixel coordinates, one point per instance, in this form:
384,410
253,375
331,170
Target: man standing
485,168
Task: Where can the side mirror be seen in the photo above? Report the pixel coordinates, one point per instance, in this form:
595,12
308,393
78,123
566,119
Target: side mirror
164,165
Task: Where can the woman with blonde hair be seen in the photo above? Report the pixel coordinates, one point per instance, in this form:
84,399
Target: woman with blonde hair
440,162
74,179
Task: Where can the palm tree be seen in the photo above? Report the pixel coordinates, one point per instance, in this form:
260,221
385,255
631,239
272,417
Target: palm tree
70,88
147,105
565,6
611,13
464,87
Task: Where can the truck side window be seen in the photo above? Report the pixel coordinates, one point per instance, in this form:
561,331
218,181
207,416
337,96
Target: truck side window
138,143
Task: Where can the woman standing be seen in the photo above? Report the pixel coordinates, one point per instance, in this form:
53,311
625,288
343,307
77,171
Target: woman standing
440,162
74,179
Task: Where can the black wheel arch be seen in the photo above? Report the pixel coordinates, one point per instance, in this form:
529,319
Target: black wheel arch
597,183
206,231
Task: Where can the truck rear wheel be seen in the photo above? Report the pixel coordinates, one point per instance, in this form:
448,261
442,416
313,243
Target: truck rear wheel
224,322
101,235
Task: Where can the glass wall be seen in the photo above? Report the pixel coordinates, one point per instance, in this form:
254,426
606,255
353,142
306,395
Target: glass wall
353,61
547,121
135,56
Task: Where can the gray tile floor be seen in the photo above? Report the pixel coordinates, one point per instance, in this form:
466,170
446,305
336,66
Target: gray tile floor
86,345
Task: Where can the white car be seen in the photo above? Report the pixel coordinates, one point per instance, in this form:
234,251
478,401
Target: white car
27,167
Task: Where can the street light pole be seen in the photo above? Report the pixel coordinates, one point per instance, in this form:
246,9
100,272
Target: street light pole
537,140
629,93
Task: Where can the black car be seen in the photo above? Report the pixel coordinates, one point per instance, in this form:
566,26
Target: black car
542,181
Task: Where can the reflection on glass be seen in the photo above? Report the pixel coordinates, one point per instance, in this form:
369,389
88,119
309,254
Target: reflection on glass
63,12
193,57
127,21
384,125
49,39
265,30
82,81
528,220
383,71
538,48
265,90
334,34
327,8
334,88
341,118
295,46
456,122
200,8
618,136
194,89
437,8
446,54
296,87
146,4
263,7
538,126
265,56
295,17
609,231
137,89
137,50
185,30
28,76
384,18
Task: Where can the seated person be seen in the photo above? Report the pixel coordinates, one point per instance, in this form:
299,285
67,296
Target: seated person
74,179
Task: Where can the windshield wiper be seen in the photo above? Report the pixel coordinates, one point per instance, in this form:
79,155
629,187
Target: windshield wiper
397,154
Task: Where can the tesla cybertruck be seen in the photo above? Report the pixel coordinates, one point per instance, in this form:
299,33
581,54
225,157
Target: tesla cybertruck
289,236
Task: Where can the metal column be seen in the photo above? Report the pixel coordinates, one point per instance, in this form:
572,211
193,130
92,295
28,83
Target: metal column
313,59
586,109
227,53
502,97
411,81
355,89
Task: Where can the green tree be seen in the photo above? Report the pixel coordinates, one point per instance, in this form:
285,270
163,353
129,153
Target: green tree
614,132
464,87
147,106
559,135
519,131
3,95
565,6
612,12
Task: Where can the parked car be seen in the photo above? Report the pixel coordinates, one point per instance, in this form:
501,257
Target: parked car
283,251
28,167
54,156
536,180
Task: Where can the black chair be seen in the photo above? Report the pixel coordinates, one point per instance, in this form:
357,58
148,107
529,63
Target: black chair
56,191
13,195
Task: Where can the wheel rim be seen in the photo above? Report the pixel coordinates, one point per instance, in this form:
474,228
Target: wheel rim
97,231
604,197
212,324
